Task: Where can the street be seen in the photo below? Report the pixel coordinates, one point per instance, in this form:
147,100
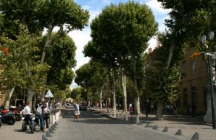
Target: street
14,132
92,126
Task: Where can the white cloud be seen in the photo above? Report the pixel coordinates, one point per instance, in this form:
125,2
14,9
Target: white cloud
81,38
162,26
87,7
73,85
107,1
157,7
93,14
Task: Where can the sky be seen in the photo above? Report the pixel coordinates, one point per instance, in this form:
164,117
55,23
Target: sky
81,38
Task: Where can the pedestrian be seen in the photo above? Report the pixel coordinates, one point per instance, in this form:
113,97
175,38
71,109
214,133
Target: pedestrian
168,108
131,109
152,108
46,114
77,112
39,112
175,111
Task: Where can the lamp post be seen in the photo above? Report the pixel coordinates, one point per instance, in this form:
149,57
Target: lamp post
210,58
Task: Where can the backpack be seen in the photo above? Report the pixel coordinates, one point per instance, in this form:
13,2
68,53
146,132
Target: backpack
39,110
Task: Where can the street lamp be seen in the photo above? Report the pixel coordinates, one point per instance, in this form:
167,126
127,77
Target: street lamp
211,56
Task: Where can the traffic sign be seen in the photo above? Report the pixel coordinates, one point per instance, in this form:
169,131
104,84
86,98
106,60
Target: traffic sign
49,94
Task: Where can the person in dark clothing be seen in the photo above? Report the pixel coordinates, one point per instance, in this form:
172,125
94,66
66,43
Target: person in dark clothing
46,114
39,112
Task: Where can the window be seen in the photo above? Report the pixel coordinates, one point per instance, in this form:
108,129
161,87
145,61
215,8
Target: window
184,68
178,102
193,62
194,96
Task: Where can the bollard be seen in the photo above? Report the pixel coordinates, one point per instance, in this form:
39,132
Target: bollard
126,116
179,132
165,129
56,123
117,114
147,125
137,120
53,127
44,137
155,127
114,114
122,116
50,130
195,136
48,134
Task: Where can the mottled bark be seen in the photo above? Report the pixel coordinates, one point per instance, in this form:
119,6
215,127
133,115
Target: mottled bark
113,91
48,40
30,95
159,112
8,97
170,56
124,81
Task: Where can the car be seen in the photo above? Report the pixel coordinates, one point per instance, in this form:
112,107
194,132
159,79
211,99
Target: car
83,107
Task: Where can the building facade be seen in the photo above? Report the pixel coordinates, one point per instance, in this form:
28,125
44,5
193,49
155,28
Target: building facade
194,84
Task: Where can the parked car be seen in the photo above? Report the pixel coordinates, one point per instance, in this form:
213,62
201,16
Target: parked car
83,107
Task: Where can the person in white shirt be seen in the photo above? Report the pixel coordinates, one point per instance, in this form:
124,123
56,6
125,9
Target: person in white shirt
27,112
77,112
27,109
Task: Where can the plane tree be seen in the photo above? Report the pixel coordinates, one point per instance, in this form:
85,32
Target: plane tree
38,15
20,65
92,77
61,59
121,32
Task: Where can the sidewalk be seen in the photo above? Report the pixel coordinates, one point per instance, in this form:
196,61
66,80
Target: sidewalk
187,124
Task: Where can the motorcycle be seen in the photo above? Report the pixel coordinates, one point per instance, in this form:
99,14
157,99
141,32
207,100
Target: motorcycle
7,117
15,112
28,120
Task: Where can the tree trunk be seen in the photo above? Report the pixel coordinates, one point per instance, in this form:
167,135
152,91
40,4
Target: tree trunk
170,56
46,43
101,95
137,105
136,99
159,113
124,82
30,95
113,90
8,97
89,103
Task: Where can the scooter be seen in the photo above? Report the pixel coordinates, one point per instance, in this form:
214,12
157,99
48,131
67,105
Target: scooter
28,120
7,117
15,112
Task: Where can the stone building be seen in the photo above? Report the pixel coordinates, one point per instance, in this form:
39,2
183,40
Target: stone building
193,87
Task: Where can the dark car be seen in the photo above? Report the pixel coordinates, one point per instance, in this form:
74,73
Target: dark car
83,107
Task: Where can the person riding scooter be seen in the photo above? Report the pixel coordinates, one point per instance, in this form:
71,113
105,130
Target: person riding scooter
28,118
